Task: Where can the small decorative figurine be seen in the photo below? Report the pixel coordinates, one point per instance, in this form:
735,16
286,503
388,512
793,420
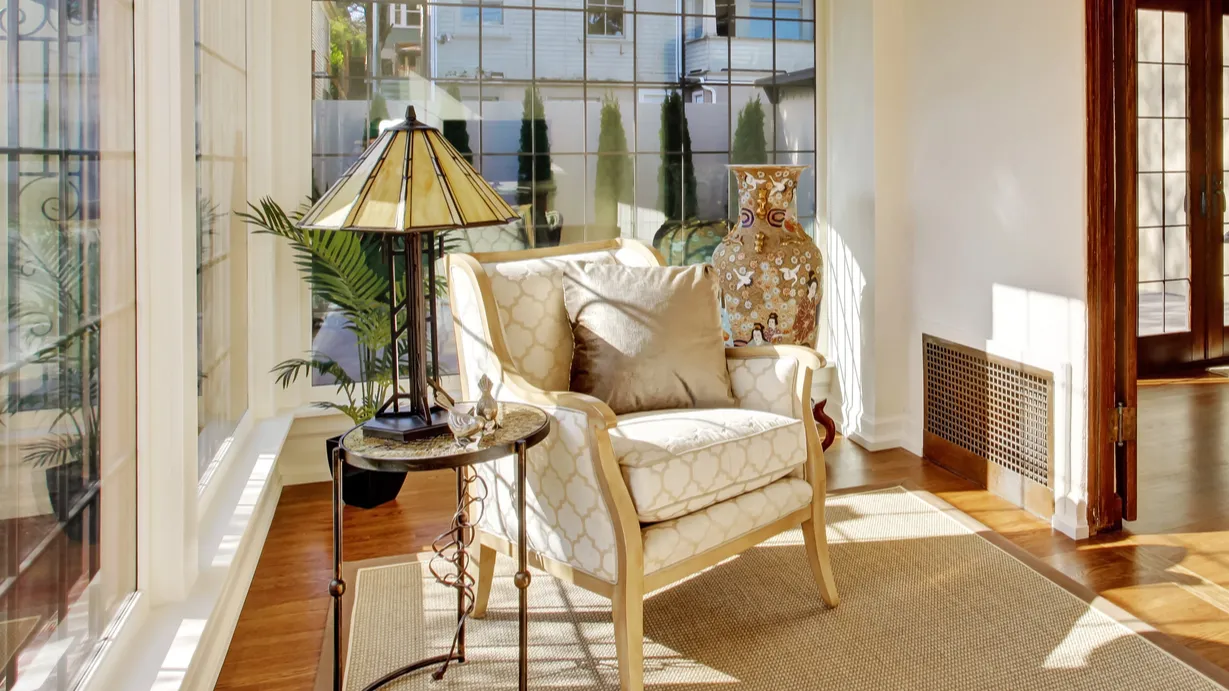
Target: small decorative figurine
467,428
487,407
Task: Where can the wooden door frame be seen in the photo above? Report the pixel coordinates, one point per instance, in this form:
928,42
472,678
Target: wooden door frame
1110,124
1113,259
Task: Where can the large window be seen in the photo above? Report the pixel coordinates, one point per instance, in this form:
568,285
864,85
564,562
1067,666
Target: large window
596,118
68,399
221,183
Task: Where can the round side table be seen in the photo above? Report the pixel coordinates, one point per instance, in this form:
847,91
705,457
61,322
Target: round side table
522,427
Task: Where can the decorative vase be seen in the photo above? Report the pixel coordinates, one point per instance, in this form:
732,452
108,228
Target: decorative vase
683,243
769,269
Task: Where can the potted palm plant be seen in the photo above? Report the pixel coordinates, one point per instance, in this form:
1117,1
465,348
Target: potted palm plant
344,271
56,322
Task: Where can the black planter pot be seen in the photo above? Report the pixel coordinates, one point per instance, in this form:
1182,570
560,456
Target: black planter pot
365,489
65,485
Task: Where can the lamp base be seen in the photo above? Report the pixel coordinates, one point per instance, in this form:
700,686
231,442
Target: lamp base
407,426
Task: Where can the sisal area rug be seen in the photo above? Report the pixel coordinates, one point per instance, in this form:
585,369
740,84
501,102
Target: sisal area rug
930,600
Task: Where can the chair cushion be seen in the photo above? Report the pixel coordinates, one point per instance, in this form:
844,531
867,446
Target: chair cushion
669,542
676,462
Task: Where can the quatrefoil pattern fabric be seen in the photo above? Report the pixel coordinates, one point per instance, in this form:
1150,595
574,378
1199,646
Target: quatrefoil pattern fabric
679,461
567,519
529,294
765,383
673,541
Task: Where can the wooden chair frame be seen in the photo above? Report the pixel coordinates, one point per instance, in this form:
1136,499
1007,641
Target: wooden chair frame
628,592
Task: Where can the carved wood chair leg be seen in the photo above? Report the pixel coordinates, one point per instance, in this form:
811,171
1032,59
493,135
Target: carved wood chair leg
826,422
816,539
628,613
486,574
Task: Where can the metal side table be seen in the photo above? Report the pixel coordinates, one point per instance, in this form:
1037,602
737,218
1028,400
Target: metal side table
523,426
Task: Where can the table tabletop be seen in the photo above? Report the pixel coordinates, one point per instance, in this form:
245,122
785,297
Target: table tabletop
518,422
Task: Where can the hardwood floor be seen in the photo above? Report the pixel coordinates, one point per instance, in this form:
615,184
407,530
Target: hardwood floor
1175,580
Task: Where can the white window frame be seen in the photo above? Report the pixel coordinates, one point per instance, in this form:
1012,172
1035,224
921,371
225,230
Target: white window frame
606,7
400,16
186,606
468,5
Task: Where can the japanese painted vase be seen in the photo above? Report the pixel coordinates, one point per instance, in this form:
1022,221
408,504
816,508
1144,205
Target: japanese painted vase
769,269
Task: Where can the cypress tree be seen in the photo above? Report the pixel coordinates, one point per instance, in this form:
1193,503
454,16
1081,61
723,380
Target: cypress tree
377,112
457,131
534,163
677,177
750,142
613,179
750,139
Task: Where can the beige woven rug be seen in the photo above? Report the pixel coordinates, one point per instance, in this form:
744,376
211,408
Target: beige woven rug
928,602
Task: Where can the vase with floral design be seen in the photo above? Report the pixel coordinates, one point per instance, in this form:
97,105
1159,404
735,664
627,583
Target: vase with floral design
769,269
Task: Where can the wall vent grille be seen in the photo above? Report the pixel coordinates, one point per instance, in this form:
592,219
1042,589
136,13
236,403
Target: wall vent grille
993,408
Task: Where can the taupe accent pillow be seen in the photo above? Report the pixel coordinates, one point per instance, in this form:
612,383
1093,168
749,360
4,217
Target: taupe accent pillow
647,338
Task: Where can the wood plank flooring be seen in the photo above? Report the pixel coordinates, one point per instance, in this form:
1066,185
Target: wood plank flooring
1171,568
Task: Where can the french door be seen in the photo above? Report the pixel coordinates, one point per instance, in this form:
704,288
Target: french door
1181,72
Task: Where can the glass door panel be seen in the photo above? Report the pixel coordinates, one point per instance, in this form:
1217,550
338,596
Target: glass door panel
1179,177
1163,177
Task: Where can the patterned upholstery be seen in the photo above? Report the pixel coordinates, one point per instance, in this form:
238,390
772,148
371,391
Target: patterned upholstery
673,541
765,384
568,521
679,461
529,294
568,518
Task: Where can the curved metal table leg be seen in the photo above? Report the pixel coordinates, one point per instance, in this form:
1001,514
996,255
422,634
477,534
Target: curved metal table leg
337,587
451,549
522,578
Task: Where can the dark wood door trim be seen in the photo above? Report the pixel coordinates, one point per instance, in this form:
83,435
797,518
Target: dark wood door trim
1103,505
1121,485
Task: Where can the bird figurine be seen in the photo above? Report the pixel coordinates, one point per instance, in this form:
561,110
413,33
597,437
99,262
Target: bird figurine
487,408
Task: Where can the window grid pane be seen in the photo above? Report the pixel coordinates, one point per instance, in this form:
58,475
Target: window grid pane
592,162
1162,181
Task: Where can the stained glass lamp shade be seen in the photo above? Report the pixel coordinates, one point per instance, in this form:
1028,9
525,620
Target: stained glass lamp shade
408,184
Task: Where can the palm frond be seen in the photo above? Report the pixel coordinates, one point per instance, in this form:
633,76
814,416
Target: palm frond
288,371
335,264
53,451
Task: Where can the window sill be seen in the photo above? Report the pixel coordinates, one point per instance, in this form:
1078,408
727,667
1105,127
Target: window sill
182,644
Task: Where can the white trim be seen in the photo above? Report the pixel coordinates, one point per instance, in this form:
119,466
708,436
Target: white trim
303,460
182,645
166,299
877,434
209,483
121,639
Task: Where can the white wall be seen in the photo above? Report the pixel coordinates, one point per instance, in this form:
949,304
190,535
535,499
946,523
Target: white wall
868,242
965,213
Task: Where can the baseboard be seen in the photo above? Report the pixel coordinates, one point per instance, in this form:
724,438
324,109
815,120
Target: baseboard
182,644
877,435
215,639
303,460
1071,516
220,628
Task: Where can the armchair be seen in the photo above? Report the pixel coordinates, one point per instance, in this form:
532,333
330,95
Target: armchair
625,505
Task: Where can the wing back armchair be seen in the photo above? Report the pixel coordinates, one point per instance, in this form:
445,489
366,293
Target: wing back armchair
624,505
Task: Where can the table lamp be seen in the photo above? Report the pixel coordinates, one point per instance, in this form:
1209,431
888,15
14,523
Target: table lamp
409,183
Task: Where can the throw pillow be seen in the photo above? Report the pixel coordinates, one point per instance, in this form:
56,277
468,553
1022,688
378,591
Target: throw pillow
647,338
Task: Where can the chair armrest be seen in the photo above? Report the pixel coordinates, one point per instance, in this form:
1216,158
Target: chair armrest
774,378
597,411
576,494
